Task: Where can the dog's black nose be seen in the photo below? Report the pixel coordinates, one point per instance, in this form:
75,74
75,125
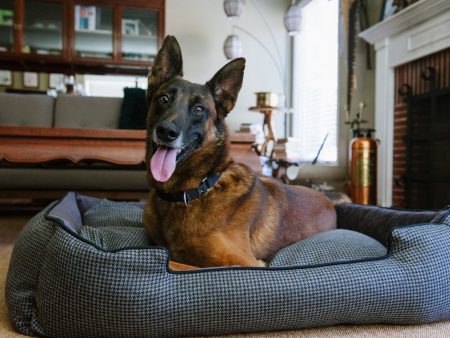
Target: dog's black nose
167,131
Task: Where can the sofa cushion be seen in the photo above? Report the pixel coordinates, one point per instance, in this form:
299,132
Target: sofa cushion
29,110
87,112
134,109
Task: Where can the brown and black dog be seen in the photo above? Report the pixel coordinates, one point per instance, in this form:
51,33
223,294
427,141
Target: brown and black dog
205,208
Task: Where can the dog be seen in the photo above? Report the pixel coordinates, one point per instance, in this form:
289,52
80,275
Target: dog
206,209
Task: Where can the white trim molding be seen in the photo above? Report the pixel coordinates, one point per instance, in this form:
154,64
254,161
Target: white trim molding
419,30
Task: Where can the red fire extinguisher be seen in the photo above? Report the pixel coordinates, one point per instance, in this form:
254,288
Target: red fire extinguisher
363,164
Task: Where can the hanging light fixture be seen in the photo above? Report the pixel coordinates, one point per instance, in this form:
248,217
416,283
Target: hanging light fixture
292,18
233,8
232,47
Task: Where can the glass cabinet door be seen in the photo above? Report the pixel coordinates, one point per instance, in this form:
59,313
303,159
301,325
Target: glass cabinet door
6,25
93,31
43,28
139,35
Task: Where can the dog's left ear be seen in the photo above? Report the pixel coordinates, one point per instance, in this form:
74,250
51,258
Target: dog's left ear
226,84
168,64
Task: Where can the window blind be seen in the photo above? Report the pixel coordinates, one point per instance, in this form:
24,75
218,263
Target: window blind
316,80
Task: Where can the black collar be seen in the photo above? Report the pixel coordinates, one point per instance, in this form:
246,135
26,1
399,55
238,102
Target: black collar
191,194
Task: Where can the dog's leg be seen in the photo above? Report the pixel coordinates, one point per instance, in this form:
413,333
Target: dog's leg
181,267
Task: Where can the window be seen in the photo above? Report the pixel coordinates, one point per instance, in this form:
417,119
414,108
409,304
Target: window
316,80
111,85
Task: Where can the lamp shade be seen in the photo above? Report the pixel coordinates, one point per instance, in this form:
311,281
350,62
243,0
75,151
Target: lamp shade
232,47
292,19
233,8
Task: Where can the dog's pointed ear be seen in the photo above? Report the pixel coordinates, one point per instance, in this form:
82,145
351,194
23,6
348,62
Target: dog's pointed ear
168,64
226,84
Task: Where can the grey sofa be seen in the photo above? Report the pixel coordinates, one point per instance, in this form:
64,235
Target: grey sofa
65,111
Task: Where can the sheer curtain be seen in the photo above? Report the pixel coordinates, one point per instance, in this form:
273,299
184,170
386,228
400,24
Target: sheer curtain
316,80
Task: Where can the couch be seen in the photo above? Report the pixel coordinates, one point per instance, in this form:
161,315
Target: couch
50,145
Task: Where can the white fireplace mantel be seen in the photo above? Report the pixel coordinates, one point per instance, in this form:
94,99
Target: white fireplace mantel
419,30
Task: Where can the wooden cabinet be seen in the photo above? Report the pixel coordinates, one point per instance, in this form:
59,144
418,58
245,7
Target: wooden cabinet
80,36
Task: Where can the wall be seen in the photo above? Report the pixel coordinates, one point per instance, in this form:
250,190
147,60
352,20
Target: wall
364,90
365,77
201,28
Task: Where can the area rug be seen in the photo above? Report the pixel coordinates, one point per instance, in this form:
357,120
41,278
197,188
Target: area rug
6,331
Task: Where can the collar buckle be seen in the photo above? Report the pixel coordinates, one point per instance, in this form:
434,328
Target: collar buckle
203,187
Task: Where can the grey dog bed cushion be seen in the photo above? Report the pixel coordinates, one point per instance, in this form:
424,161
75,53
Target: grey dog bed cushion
85,267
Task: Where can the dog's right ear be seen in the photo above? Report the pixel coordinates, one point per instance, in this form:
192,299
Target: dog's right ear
168,64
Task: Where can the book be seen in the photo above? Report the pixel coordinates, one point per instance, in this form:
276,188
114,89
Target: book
6,17
85,17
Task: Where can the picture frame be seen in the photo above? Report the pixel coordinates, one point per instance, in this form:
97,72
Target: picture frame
55,81
30,79
130,27
388,9
6,78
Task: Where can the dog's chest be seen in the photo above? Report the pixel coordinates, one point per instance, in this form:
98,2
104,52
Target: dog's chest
184,226
185,236
189,229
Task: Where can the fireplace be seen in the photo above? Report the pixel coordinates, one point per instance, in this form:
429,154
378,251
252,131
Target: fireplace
421,150
418,33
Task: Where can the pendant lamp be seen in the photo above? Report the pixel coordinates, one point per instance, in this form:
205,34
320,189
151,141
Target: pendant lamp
232,47
233,8
292,18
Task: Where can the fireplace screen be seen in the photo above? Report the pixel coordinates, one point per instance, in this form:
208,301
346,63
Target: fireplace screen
427,174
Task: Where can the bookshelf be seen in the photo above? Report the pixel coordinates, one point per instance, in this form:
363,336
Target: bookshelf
80,36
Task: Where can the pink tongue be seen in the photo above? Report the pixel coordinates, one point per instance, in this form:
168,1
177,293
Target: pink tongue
163,163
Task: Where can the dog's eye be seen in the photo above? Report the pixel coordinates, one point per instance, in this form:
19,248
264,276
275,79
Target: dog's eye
198,109
164,98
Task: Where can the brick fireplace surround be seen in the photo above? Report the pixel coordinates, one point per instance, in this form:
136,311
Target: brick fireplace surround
403,43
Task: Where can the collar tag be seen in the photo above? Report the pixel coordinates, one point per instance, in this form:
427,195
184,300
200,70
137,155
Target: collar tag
184,199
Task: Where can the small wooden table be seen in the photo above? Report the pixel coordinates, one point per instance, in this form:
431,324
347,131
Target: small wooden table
268,129
36,145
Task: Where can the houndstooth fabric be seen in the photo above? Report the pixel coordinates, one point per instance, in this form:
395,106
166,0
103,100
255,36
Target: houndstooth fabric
115,225
328,247
61,285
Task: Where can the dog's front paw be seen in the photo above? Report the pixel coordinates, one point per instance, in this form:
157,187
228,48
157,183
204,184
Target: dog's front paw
261,263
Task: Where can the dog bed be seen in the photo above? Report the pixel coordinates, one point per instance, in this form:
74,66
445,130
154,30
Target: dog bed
85,267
